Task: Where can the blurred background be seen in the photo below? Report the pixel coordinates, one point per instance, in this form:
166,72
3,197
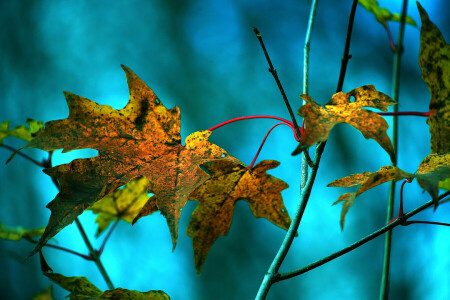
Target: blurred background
203,57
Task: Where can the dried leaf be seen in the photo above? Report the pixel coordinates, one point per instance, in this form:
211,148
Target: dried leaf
366,181
382,14
434,61
319,120
433,169
140,140
122,204
80,288
18,233
21,132
347,201
218,195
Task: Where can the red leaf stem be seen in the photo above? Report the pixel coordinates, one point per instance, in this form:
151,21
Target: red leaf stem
259,117
264,140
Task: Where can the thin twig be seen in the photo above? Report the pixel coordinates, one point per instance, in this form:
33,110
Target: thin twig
94,255
397,222
277,80
86,257
384,289
23,155
102,247
272,273
312,13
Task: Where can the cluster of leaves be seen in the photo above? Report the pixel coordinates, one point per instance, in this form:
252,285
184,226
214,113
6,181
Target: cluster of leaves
140,153
434,171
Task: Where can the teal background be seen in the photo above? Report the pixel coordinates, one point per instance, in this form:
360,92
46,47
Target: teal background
203,57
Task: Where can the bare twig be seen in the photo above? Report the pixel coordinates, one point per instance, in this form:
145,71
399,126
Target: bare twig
40,164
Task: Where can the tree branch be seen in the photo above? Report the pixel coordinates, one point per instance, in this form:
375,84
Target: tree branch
359,243
305,193
384,289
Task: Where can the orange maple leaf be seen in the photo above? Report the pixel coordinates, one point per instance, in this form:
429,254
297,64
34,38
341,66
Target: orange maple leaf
141,139
319,120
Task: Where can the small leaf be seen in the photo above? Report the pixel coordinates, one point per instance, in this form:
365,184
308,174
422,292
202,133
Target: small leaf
382,14
122,204
434,61
366,181
319,120
217,198
18,233
433,169
21,132
80,288
348,200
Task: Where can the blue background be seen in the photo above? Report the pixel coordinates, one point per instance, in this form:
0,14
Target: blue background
203,57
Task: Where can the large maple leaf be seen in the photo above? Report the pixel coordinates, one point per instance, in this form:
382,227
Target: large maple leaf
434,61
319,120
141,139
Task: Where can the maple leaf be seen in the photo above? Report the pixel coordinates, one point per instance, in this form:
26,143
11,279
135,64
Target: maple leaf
21,132
140,140
434,61
319,120
81,288
218,195
366,181
122,204
383,15
18,233
433,169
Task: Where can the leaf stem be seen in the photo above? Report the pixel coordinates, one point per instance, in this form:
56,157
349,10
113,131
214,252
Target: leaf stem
262,143
102,247
297,137
23,155
86,257
273,71
318,263
94,255
384,289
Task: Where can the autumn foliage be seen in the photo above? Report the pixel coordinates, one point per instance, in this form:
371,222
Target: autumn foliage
140,152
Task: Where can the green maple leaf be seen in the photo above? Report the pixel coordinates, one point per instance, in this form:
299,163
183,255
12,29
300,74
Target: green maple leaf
18,233
383,15
123,204
22,132
434,61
